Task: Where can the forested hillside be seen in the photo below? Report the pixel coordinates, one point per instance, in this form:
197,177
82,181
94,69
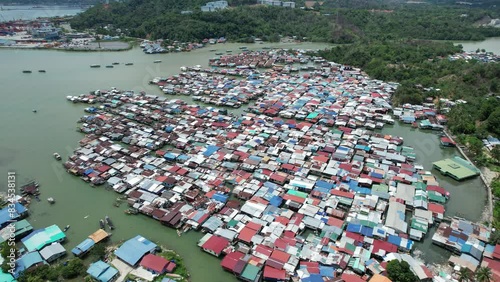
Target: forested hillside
162,19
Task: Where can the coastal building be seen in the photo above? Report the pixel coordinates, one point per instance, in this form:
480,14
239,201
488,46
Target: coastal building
7,277
22,228
133,250
28,261
9,216
214,6
102,271
321,191
52,252
43,237
156,264
456,168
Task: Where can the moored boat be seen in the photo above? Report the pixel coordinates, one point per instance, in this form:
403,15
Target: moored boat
95,66
26,71
57,156
109,66
66,228
110,224
129,64
157,61
51,200
115,63
43,71
102,224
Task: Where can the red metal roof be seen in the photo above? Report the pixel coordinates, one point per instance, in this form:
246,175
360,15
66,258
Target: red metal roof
247,234
273,273
340,193
156,263
435,208
280,256
230,261
496,252
215,244
351,278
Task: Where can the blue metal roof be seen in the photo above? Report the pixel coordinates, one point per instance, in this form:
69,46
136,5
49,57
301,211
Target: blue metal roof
102,271
83,247
210,150
324,184
134,249
276,201
220,197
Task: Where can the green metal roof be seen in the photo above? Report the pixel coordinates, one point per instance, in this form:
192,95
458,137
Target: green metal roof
380,188
420,186
250,272
436,197
298,194
419,225
457,168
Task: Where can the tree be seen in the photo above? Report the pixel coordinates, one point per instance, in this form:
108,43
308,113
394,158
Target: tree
475,145
400,271
464,275
483,274
495,153
73,269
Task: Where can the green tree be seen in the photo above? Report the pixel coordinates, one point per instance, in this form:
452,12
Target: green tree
73,269
400,271
475,145
464,275
483,274
495,153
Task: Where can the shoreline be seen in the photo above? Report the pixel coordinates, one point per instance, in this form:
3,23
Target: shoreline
487,213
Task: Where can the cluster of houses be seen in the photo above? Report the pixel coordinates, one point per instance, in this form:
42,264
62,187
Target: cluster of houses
137,253
41,246
485,57
312,201
214,6
277,3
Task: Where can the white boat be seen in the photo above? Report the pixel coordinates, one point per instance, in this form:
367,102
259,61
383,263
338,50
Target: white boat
57,156
51,200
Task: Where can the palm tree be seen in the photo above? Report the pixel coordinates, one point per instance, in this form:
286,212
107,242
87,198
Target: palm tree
483,274
464,275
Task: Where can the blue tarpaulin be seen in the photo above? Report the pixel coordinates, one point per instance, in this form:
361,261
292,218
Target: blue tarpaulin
276,201
220,197
210,150
88,171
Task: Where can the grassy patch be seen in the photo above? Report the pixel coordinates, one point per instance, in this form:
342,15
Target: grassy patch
180,269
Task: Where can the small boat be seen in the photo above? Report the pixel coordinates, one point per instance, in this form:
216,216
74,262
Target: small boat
34,110
131,211
129,64
101,223
157,61
109,66
26,71
243,47
95,66
229,51
57,156
37,198
66,228
51,200
41,71
110,224
218,54
115,63
213,50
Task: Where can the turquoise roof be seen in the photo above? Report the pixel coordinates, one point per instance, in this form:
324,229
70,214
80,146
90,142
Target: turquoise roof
42,237
102,271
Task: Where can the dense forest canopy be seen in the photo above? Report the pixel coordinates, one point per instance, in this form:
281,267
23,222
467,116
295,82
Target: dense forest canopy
418,65
163,19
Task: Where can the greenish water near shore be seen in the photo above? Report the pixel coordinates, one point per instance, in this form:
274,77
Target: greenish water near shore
29,139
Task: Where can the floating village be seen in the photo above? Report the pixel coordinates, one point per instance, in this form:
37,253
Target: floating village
300,187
